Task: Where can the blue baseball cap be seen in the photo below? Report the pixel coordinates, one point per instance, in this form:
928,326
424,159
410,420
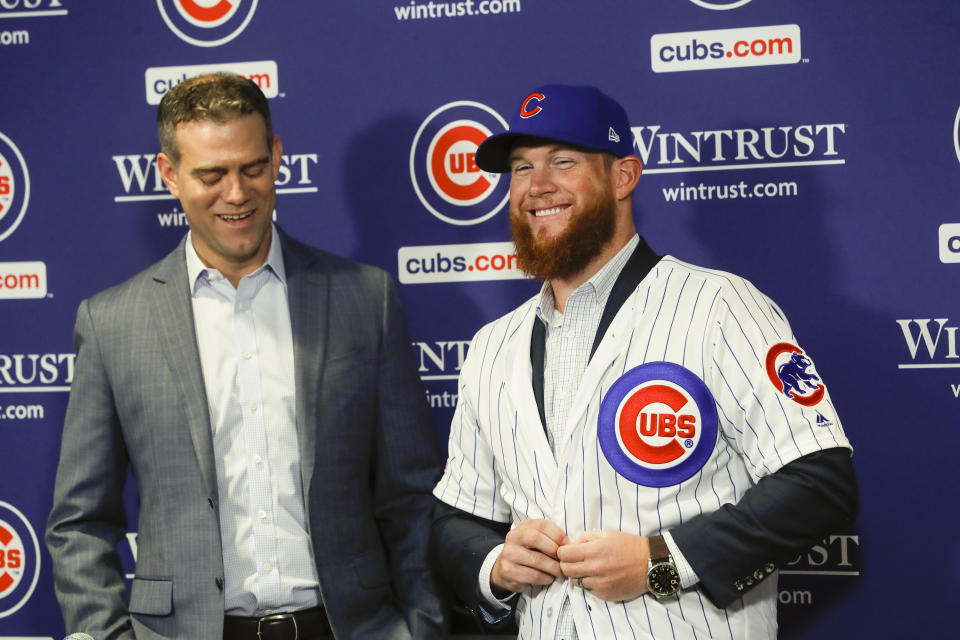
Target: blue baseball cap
581,115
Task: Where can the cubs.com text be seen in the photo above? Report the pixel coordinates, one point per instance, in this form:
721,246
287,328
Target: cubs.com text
725,48
458,263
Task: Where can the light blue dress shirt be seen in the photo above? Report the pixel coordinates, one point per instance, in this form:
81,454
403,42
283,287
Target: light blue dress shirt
246,351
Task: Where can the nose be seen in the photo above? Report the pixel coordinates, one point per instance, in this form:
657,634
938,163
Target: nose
234,191
541,181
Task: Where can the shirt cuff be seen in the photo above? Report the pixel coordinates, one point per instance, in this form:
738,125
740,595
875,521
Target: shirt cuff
496,604
688,577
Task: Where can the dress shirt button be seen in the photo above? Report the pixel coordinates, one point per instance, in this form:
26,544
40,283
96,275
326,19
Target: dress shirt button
261,514
257,459
550,612
253,406
247,355
241,306
266,567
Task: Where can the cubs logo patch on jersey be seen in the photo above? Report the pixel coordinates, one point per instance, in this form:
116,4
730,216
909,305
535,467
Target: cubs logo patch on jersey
657,424
792,372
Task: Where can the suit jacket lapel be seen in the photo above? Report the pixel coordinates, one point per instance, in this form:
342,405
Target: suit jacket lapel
172,312
308,292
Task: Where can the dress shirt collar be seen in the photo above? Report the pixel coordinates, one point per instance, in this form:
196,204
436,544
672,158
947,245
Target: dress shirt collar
197,272
600,285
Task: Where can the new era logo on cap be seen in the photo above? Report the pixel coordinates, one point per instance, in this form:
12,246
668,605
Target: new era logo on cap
579,115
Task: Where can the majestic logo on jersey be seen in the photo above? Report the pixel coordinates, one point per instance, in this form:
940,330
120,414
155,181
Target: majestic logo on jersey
14,187
443,165
793,374
823,421
657,424
207,23
19,559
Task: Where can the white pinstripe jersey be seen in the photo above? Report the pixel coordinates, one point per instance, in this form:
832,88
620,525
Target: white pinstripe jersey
500,466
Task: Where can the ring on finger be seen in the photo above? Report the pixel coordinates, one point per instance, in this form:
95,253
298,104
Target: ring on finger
580,584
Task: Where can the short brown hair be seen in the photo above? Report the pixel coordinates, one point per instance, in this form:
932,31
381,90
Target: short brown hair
220,97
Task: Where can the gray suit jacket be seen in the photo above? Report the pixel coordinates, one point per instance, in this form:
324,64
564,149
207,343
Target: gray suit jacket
367,448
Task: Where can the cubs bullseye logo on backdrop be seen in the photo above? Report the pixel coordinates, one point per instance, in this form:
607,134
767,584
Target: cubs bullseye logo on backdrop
719,5
207,23
956,134
14,187
792,372
657,424
443,167
19,559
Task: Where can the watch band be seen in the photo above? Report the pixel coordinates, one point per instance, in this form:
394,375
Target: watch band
659,551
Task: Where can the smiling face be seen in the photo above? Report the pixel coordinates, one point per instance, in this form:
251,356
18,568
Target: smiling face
563,208
225,183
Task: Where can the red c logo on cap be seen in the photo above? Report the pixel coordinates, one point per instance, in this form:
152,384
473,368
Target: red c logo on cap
524,112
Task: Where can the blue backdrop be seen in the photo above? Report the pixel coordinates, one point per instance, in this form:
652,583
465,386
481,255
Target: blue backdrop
809,146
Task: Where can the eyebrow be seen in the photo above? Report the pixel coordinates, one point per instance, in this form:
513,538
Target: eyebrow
205,170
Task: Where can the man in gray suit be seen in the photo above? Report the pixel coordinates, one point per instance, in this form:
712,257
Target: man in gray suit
264,395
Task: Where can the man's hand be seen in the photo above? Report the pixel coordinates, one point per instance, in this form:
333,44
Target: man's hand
529,556
613,564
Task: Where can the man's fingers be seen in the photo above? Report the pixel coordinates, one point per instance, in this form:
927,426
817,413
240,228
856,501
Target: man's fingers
517,567
580,549
532,558
524,574
585,556
541,535
574,569
529,555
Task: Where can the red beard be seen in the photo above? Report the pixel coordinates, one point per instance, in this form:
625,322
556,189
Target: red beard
565,255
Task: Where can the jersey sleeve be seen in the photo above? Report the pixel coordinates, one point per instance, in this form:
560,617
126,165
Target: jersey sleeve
470,481
773,406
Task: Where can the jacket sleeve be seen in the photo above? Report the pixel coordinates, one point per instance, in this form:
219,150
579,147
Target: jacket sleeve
407,465
88,518
734,548
459,543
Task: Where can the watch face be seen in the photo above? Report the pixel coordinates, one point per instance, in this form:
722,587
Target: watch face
663,580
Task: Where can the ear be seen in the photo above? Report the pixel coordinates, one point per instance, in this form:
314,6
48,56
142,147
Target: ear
169,173
627,171
276,156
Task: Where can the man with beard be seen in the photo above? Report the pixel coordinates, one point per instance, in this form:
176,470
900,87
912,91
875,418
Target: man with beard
626,459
